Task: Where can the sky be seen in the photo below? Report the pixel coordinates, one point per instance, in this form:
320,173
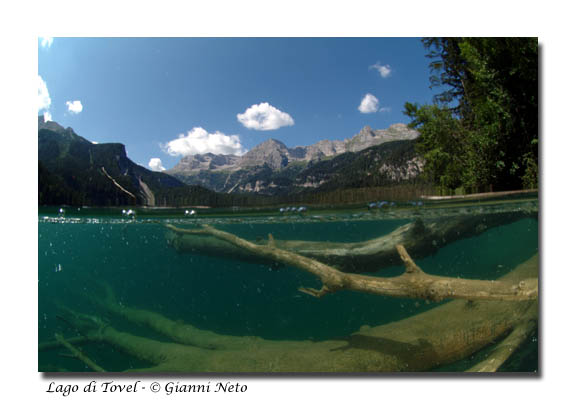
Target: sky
165,98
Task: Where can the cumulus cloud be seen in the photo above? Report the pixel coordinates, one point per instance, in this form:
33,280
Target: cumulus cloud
74,107
384,70
264,117
44,100
156,164
47,116
369,104
200,141
46,42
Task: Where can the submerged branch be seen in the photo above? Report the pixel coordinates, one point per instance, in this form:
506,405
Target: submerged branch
420,237
76,353
45,346
504,350
414,283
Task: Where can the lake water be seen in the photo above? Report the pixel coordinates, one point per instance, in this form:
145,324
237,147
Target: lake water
87,255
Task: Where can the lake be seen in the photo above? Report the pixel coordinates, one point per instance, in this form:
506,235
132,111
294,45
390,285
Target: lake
130,293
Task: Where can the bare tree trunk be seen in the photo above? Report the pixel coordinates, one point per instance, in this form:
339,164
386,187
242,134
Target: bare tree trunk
414,283
421,238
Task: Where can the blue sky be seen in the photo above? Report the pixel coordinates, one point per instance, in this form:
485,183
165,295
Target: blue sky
168,97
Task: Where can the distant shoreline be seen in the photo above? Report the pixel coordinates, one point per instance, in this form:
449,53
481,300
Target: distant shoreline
480,195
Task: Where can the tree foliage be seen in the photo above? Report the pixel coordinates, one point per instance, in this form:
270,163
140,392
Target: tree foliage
482,131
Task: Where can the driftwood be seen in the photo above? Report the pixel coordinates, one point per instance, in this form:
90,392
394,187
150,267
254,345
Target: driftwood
421,238
440,336
414,283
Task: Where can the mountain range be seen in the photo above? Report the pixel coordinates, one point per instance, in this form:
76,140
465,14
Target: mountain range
273,168
75,171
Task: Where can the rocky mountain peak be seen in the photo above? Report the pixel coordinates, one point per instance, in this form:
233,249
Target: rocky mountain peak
367,130
271,152
402,131
55,127
276,155
207,161
369,137
270,144
50,125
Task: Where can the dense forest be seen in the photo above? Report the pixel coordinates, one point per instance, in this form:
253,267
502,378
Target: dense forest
481,134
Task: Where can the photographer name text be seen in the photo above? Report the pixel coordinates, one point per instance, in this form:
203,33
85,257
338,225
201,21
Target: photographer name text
167,388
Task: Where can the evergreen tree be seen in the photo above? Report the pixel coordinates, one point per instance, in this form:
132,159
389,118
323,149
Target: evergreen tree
482,132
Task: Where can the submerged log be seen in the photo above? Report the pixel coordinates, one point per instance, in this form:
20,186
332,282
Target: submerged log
78,354
414,283
45,346
421,238
437,337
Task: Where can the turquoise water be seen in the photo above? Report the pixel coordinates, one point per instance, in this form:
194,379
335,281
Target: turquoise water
228,296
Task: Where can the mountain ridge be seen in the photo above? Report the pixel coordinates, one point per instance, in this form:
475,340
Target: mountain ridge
271,166
277,155
74,169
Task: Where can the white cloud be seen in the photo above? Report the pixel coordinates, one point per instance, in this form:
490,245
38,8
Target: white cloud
44,100
384,70
46,42
369,104
47,116
264,117
199,141
156,164
74,107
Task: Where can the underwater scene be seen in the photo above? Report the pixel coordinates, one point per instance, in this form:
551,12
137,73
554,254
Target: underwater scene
447,286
